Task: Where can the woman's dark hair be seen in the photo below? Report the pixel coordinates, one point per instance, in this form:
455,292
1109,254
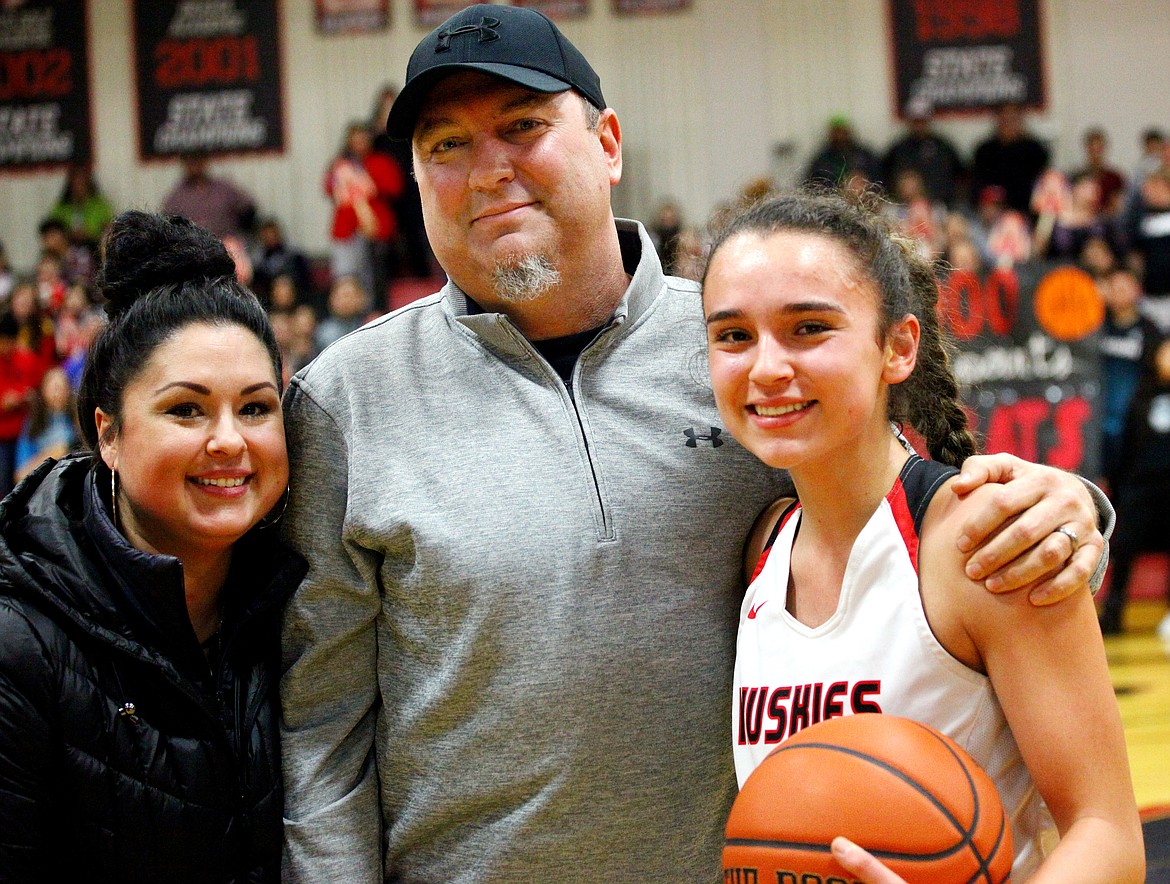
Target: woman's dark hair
928,400
159,274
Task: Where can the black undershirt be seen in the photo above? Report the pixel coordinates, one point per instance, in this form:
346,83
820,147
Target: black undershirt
561,353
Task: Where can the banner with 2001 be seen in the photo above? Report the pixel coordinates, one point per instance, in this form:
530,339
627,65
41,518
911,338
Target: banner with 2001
209,77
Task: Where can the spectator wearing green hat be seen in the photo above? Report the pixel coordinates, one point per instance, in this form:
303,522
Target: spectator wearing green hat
841,156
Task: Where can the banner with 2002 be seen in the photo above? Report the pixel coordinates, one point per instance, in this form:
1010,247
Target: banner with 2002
45,116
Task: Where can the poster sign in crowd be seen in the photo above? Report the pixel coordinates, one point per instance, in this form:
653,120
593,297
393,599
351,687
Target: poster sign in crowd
1027,361
209,77
966,55
44,84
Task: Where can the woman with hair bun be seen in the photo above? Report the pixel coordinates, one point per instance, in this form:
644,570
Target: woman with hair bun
140,595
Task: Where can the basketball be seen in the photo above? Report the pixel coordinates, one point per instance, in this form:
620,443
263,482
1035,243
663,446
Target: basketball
903,791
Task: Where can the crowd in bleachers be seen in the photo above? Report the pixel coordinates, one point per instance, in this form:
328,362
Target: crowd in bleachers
48,316
1004,204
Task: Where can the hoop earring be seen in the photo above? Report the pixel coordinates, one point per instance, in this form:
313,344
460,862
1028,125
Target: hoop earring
114,497
269,520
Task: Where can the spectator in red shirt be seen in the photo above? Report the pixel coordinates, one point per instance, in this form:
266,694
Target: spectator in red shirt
36,333
19,376
362,182
51,285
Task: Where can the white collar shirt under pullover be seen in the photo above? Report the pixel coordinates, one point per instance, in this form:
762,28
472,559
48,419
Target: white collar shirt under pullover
876,653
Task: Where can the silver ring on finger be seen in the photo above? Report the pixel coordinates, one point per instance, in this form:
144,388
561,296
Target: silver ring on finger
1071,535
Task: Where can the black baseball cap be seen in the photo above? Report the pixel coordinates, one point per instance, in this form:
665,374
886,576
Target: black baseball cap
511,42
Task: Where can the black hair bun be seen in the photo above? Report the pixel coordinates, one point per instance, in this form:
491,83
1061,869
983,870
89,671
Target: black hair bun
143,251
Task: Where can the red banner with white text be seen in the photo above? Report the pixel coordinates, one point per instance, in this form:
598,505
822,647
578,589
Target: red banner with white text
649,7
352,16
432,13
558,10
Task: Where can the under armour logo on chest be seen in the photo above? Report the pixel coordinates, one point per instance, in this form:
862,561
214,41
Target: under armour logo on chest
694,437
484,30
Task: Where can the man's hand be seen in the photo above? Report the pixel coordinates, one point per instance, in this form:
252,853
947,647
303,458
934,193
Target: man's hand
861,865
1016,542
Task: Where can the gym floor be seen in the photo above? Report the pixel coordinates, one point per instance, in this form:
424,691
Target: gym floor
1140,666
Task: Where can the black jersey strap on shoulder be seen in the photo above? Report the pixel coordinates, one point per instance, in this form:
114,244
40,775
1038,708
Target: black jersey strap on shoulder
784,517
921,479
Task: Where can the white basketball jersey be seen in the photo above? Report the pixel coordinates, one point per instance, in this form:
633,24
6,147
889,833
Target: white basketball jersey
876,653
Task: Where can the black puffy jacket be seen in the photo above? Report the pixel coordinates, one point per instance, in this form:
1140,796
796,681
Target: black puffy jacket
124,754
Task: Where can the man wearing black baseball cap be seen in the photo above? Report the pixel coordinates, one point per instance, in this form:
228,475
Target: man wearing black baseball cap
511,659
508,42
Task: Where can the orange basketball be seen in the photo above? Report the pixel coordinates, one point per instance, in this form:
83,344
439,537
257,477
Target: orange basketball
903,791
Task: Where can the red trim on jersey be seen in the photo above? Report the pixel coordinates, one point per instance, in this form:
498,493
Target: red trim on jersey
767,549
904,520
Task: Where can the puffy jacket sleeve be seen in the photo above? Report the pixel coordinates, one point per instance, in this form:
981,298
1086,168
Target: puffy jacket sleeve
27,741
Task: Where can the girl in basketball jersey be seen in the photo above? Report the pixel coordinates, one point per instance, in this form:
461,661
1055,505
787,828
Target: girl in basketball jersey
823,339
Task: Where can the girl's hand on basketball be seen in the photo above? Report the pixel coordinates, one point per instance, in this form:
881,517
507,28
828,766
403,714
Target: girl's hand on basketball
859,863
1015,542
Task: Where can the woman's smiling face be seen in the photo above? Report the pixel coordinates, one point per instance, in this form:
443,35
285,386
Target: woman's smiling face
199,447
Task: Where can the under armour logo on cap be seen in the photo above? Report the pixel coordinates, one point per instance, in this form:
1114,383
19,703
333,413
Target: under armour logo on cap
485,31
694,437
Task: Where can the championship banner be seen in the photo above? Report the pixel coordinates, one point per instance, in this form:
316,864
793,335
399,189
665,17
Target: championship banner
558,10
208,76
432,13
1027,363
44,84
964,55
352,16
649,7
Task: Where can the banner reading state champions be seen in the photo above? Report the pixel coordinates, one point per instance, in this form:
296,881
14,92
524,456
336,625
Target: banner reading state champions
44,84
209,77
966,55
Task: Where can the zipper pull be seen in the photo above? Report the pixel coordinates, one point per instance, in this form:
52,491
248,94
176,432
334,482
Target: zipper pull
129,710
